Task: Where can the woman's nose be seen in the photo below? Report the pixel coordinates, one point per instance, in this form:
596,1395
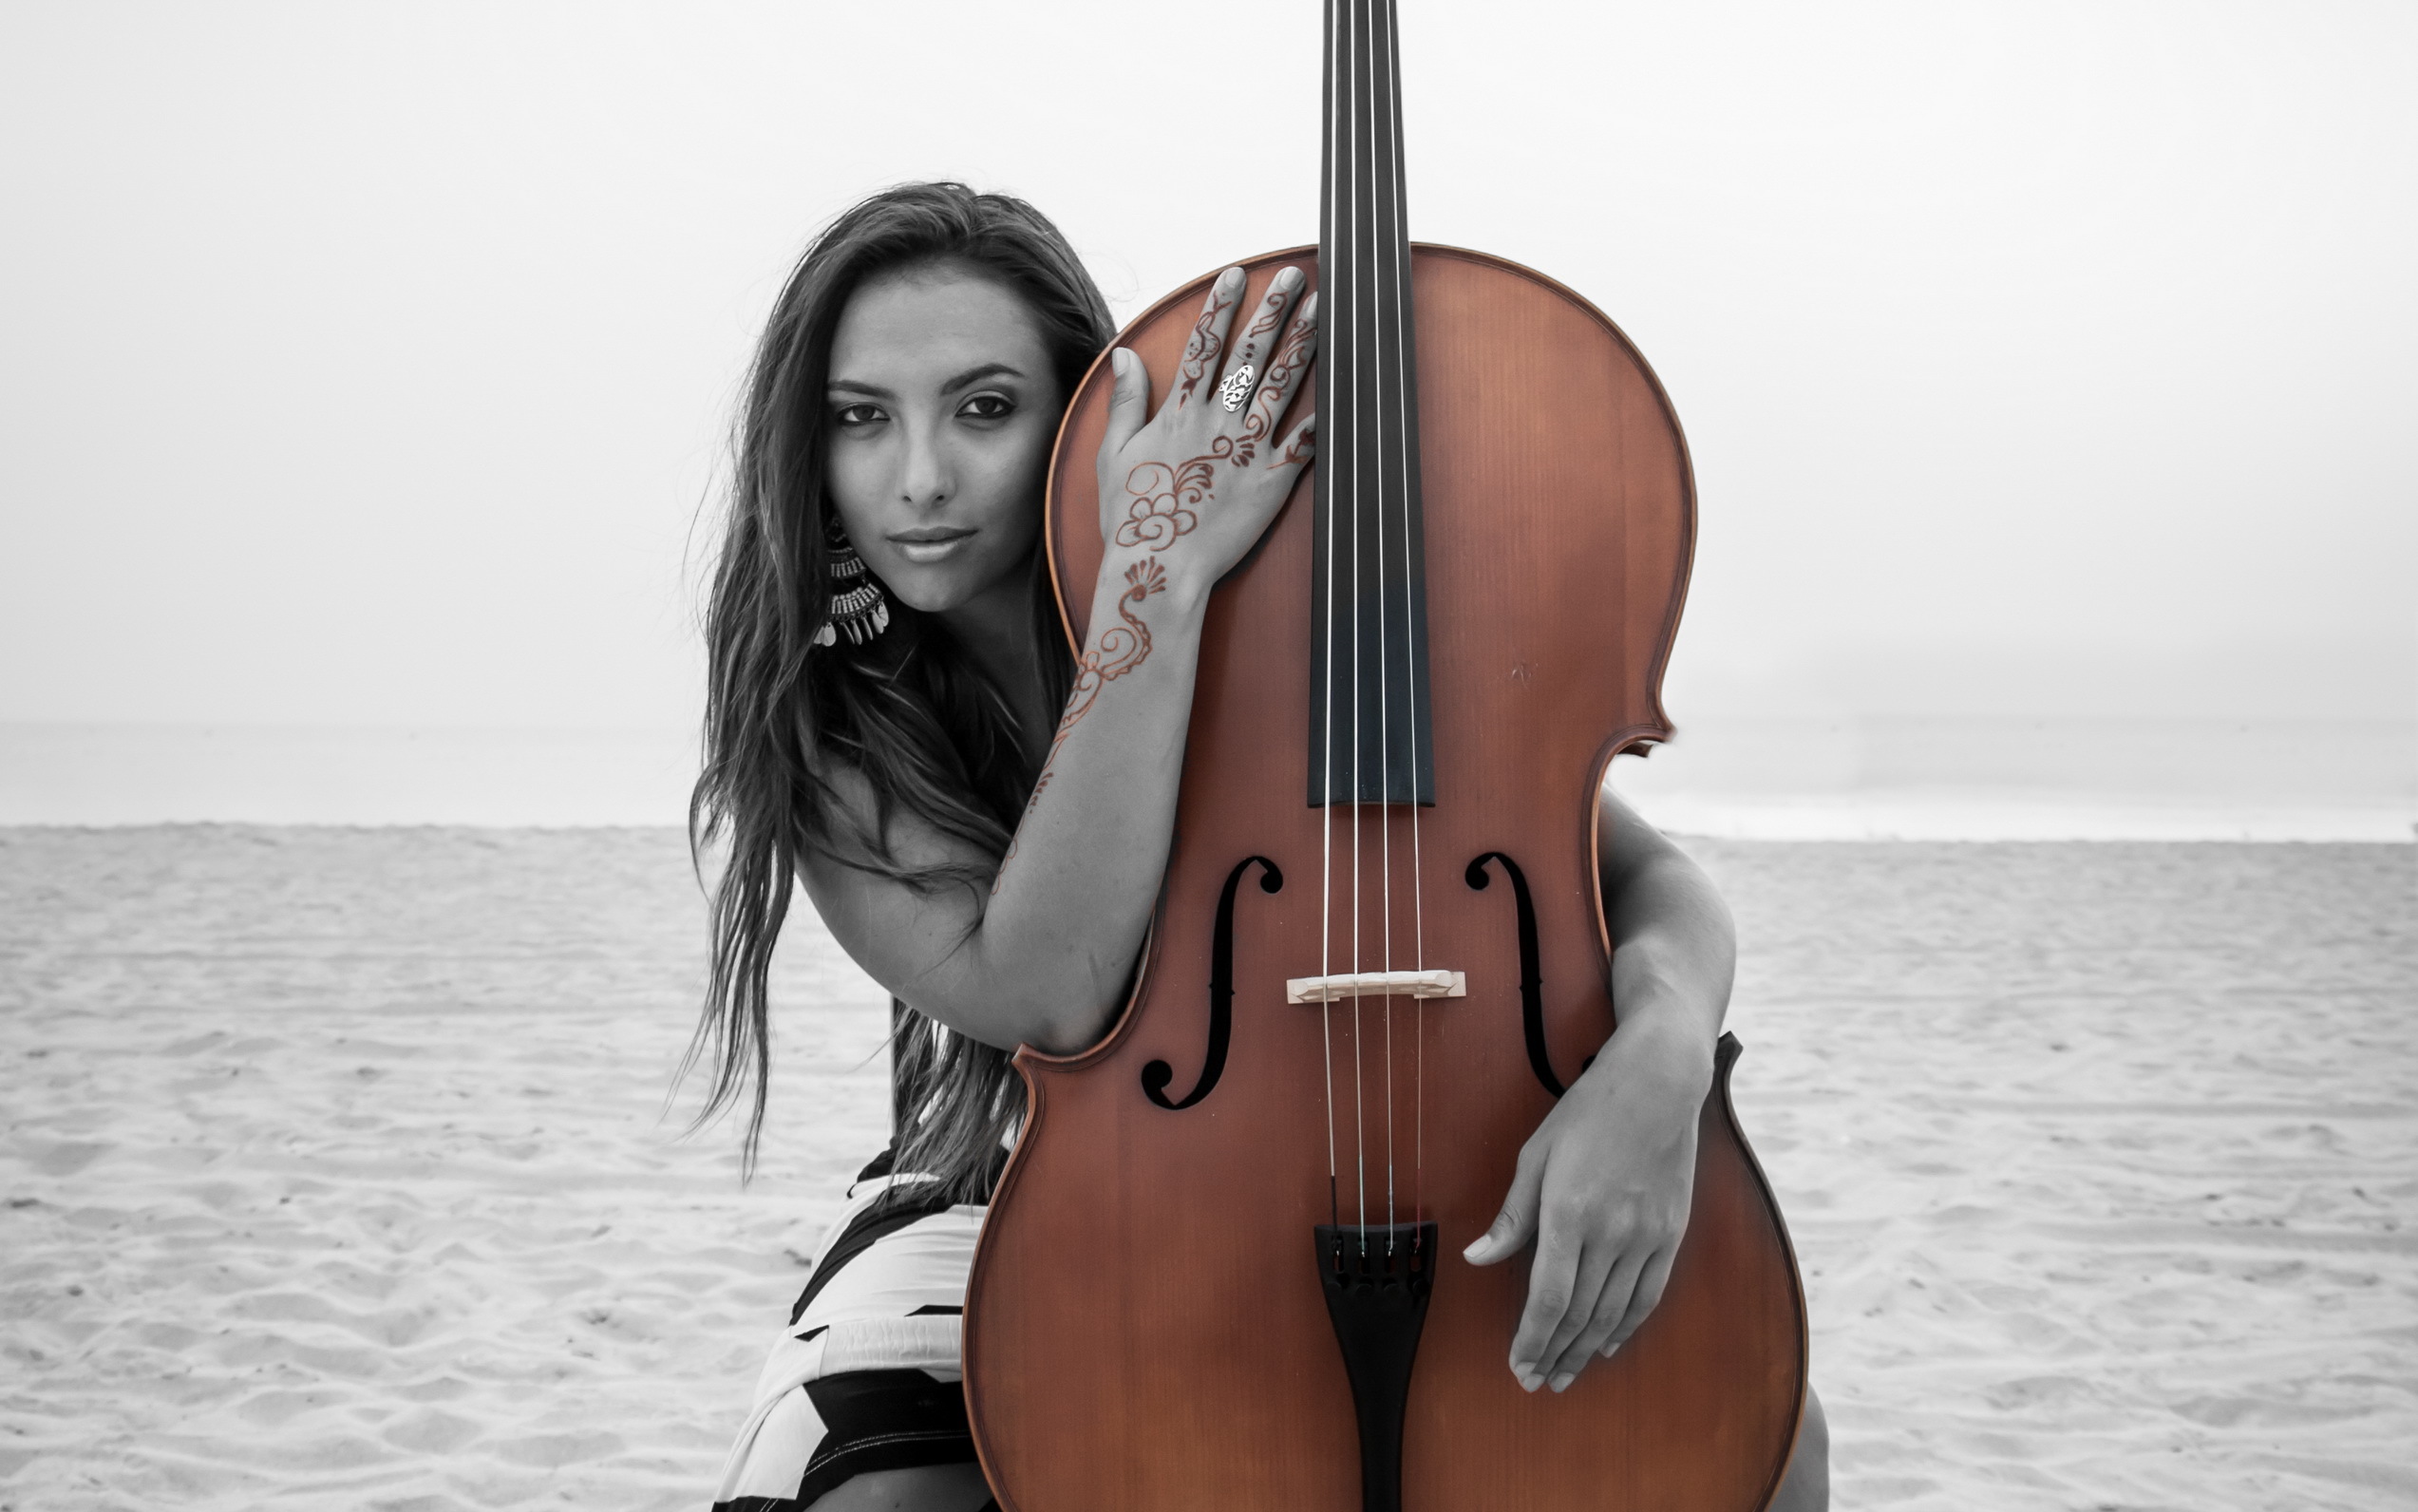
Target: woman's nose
927,478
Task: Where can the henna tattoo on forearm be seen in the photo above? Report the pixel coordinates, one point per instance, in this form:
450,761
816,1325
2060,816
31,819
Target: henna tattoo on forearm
1119,651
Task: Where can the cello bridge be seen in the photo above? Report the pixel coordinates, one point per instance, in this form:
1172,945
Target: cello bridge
1437,983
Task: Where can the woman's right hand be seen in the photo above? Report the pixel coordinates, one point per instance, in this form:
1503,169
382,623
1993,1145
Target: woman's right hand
1197,484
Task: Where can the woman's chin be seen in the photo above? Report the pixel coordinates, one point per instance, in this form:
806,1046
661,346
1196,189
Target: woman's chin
918,591
939,590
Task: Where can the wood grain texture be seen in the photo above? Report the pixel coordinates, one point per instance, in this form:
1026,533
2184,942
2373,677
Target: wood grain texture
1145,1326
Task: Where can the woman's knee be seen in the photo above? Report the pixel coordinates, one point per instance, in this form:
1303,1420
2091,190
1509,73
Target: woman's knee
1806,1487
961,1489
925,1488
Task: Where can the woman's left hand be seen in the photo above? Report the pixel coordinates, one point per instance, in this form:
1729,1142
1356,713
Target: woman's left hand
1211,463
1603,1187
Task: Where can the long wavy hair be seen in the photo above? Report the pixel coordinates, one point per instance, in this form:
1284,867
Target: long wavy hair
909,711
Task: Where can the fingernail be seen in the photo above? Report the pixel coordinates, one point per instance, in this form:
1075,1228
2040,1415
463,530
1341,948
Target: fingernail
1289,278
1561,1383
1475,1245
1611,1349
1120,360
1530,1380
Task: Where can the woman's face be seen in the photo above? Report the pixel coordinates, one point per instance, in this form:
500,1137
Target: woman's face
940,410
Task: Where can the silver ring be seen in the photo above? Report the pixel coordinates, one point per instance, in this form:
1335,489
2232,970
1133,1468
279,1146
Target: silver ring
1237,388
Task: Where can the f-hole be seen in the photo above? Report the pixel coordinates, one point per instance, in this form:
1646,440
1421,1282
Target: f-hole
1532,981
1156,1075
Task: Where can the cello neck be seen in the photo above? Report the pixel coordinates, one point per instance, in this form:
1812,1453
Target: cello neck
1370,715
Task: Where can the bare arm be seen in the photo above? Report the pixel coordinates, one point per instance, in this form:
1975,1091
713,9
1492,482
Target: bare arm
1040,959
1604,1185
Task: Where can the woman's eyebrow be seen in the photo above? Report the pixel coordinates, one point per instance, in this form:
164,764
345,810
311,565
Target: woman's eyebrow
964,380
975,375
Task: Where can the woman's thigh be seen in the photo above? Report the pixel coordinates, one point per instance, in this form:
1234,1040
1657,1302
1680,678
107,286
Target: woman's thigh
926,1488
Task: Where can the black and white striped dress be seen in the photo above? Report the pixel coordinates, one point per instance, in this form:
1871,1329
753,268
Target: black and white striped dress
868,1373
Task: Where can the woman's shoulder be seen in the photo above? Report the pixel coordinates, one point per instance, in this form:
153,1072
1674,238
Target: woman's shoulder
867,837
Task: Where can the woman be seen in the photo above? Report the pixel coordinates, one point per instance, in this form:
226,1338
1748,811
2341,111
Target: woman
983,822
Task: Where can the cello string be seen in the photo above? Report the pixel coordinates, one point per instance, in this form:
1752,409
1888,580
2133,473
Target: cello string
1385,668
1359,1111
1327,778
1399,245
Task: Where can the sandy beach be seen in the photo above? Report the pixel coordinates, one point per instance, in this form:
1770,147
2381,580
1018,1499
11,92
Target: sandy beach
338,1173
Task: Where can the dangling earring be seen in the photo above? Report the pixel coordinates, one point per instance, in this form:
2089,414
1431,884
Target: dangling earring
857,604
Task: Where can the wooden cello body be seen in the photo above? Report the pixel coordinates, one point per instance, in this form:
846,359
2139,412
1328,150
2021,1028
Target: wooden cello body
1145,1324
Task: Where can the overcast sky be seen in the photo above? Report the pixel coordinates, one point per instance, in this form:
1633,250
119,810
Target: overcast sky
369,364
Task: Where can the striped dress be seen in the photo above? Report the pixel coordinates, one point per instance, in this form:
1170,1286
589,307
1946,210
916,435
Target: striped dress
867,1375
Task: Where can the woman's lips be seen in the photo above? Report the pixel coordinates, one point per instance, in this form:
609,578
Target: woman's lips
929,544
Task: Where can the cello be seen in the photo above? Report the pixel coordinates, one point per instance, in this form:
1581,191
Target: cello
1214,1273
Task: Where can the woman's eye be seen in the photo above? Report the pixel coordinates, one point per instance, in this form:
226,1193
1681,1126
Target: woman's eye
989,407
854,415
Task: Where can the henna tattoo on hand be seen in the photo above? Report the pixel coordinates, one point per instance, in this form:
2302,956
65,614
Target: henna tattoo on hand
1164,498
1119,651
1275,389
1246,349
1201,353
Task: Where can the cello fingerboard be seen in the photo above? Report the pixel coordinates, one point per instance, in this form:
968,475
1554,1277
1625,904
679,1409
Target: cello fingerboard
1371,737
